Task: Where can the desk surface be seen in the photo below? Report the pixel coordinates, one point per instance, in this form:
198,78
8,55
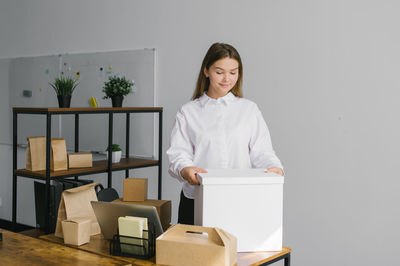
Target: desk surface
17,249
100,246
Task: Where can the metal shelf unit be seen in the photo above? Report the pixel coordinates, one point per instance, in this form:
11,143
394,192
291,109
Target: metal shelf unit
104,166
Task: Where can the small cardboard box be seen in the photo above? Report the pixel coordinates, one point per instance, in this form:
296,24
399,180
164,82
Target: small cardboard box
77,231
163,209
195,245
135,189
80,160
75,203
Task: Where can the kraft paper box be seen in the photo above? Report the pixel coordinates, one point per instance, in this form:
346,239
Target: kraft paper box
36,154
196,245
135,189
58,160
75,203
77,231
80,160
163,209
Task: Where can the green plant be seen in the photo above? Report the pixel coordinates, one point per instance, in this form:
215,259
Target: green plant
115,147
117,86
64,86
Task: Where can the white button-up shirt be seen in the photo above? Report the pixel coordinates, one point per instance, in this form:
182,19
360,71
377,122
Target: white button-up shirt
228,132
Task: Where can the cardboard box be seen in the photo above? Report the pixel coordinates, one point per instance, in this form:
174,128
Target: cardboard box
248,203
80,160
163,209
135,189
195,245
76,231
75,203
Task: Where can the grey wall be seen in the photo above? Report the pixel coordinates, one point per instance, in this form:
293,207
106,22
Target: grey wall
324,74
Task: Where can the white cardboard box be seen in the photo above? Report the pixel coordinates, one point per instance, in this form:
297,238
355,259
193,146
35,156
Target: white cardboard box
248,203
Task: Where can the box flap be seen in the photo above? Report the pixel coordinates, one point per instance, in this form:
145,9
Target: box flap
238,176
80,153
81,188
78,220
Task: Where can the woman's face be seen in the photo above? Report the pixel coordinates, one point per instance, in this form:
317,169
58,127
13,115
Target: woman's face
223,75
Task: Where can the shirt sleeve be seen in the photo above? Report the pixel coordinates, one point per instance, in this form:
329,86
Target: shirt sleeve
262,154
181,149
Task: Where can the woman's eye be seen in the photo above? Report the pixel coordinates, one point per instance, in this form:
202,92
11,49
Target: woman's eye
233,73
219,73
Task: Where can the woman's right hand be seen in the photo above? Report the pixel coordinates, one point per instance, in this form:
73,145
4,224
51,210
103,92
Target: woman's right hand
189,174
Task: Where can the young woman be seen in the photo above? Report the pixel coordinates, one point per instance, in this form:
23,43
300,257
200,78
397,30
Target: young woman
218,128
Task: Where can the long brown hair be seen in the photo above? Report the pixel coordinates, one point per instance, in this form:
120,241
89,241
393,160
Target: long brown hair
216,52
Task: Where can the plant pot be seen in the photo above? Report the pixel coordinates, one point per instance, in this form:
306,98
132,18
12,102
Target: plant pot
64,101
116,156
117,101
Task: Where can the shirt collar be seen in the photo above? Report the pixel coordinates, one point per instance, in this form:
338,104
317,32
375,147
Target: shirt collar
205,99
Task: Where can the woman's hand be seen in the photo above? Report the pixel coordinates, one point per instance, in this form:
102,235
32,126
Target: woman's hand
275,170
189,174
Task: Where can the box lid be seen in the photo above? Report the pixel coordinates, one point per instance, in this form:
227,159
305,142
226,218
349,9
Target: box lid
238,177
78,220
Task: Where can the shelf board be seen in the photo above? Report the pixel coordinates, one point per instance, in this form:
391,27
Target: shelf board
83,110
98,167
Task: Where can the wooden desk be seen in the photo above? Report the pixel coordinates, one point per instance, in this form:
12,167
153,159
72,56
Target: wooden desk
17,249
100,246
264,258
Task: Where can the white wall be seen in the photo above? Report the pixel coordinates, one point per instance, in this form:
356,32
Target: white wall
324,73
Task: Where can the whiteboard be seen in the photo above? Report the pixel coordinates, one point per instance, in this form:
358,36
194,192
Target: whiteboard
91,70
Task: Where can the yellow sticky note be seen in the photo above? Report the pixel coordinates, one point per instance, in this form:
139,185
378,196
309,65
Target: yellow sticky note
132,227
93,102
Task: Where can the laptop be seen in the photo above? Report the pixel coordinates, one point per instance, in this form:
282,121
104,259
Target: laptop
107,214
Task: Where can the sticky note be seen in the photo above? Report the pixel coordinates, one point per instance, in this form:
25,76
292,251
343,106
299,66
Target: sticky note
93,102
132,227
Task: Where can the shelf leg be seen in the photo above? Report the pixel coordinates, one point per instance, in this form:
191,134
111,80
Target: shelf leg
160,125
76,136
110,139
14,199
47,190
128,124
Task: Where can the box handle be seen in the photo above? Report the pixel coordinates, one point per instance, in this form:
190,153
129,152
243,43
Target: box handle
197,234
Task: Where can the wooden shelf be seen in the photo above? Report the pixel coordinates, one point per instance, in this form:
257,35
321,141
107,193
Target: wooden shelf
98,167
87,110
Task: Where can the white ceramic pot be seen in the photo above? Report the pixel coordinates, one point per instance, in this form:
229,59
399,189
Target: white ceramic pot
116,156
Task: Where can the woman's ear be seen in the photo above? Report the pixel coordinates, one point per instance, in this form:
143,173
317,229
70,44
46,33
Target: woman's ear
205,72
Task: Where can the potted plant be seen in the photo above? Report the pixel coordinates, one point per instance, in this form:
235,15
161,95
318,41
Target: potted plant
64,87
116,153
116,88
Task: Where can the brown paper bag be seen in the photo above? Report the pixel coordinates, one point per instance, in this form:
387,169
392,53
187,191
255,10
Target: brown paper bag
75,203
58,155
36,154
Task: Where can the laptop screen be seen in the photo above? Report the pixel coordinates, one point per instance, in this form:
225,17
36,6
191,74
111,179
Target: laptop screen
107,214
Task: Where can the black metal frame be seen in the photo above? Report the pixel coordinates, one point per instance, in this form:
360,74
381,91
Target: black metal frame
58,111
286,258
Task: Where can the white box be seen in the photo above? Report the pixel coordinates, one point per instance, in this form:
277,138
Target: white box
248,203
